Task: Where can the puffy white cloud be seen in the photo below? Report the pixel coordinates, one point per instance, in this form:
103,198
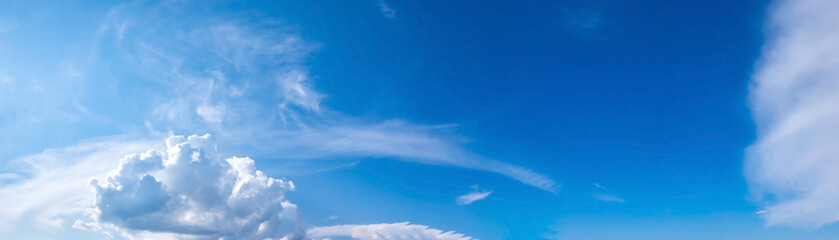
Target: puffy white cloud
795,101
473,196
178,190
190,192
385,231
52,186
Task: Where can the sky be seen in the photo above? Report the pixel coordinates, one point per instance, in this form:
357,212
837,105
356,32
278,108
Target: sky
390,119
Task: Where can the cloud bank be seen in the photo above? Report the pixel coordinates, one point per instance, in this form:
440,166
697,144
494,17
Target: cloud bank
190,192
385,231
794,95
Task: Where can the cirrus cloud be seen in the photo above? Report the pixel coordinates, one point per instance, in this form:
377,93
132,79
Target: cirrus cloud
795,101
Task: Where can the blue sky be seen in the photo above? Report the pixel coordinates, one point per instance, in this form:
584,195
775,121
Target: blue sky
419,120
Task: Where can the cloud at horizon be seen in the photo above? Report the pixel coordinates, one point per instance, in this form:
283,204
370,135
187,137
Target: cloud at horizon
385,231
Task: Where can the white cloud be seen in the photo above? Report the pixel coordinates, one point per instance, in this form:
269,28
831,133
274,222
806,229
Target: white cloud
180,190
385,231
190,192
294,90
212,114
8,177
251,91
795,101
386,11
473,196
608,198
401,140
52,186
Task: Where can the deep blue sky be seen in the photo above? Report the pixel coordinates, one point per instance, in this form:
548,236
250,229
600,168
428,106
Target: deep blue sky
649,102
642,102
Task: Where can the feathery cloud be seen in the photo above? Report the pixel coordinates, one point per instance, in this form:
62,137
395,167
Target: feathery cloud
795,102
386,10
245,84
608,198
473,196
51,188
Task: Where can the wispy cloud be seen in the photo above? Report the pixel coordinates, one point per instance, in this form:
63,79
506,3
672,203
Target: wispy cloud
182,190
795,101
386,11
473,196
385,231
245,83
52,187
608,198
239,78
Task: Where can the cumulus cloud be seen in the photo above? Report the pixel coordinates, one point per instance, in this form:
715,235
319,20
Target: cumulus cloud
385,231
795,101
473,196
50,188
188,191
182,189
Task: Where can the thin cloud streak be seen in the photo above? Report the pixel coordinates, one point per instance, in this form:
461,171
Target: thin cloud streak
473,196
384,231
608,198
